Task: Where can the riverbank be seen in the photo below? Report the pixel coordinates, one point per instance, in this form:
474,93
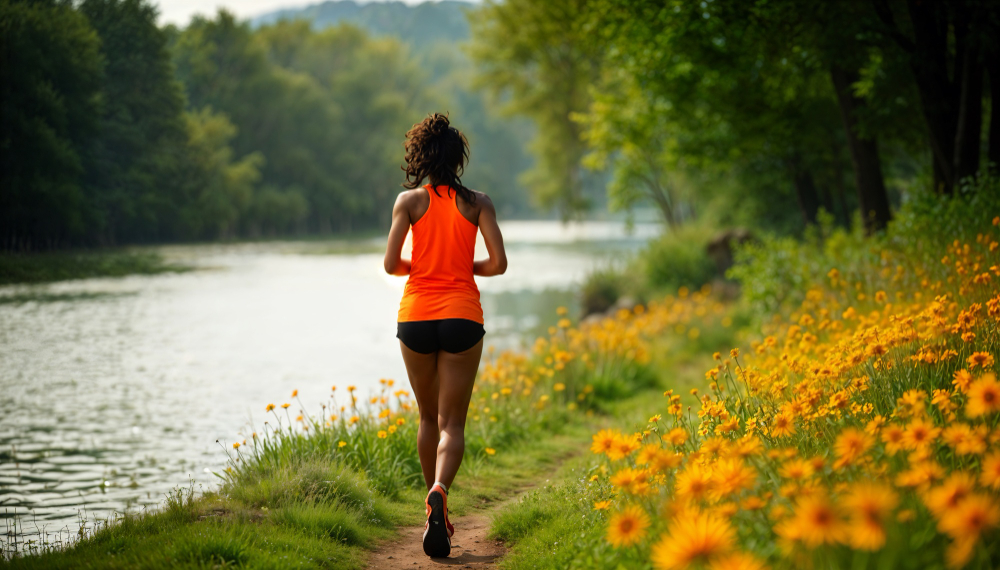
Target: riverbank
48,267
322,490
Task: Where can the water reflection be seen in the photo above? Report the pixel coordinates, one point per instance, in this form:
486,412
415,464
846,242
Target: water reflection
114,391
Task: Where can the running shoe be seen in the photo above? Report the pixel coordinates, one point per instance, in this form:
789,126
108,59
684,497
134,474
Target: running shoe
438,530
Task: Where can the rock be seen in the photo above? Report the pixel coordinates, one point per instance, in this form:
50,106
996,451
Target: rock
720,248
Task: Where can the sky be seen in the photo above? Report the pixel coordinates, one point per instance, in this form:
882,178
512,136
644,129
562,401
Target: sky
179,12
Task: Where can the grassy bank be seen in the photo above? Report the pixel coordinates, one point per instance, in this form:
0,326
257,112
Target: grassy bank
319,489
64,265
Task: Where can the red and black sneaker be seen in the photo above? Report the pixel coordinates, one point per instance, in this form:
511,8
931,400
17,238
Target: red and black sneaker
438,530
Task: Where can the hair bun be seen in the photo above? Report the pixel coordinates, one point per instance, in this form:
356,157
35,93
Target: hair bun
438,124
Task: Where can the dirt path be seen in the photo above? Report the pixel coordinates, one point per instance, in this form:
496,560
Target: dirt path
469,547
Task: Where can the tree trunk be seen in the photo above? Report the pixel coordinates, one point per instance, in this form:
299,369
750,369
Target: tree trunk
868,178
970,111
993,69
929,62
805,190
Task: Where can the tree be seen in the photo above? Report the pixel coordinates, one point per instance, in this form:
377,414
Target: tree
949,45
136,177
534,56
50,81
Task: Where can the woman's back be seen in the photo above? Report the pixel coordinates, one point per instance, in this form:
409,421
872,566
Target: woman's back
441,284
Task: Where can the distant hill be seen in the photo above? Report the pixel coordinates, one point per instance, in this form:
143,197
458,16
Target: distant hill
419,25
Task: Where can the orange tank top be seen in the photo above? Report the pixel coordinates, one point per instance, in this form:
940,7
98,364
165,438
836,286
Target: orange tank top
441,285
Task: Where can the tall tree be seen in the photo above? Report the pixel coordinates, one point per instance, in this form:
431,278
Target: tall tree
137,177
535,56
949,44
50,83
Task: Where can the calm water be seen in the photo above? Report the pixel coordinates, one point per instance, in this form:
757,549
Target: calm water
114,391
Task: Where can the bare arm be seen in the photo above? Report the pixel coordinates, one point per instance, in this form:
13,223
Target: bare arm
394,263
496,264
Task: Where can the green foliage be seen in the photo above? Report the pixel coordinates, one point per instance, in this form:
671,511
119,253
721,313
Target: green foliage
678,259
533,56
601,288
50,81
137,173
777,272
224,187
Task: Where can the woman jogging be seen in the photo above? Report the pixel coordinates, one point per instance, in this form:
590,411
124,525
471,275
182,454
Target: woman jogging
440,323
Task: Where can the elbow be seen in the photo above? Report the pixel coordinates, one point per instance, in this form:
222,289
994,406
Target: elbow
390,266
502,266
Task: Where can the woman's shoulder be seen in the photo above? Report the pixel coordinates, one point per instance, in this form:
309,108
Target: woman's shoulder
482,200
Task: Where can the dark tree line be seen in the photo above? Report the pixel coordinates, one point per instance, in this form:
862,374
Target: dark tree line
116,131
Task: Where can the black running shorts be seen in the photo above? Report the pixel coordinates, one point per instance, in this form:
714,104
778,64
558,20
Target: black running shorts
449,335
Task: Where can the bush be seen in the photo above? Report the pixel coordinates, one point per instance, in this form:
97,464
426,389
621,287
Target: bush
677,259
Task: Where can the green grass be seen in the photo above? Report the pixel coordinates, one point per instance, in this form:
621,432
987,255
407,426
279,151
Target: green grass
64,265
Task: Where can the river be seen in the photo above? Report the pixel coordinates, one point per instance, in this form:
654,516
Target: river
113,392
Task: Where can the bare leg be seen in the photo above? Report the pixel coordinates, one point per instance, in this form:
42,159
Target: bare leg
456,377
422,370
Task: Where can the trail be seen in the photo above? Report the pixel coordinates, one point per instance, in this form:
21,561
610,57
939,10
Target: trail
469,548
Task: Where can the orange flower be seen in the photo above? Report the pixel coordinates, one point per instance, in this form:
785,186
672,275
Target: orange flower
983,359
984,396
693,537
628,527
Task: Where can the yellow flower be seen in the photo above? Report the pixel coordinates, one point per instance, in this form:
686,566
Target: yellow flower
734,353
351,388
654,419
382,434
622,447
392,429
341,443
990,477
946,497
869,505
269,408
971,517
892,436
400,421
603,440
490,451
562,311
564,323
693,537
731,476
983,359
236,446
737,561
601,505
783,425
984,396
919,433
814,523
295,393
962,379
628,526
559,387
694,482
676,436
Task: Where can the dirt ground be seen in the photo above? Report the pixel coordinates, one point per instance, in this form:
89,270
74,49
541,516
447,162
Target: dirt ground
469,547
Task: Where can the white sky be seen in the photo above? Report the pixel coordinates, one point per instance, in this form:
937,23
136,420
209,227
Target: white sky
179,12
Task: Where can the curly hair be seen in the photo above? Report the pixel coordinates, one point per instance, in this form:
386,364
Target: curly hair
439,151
